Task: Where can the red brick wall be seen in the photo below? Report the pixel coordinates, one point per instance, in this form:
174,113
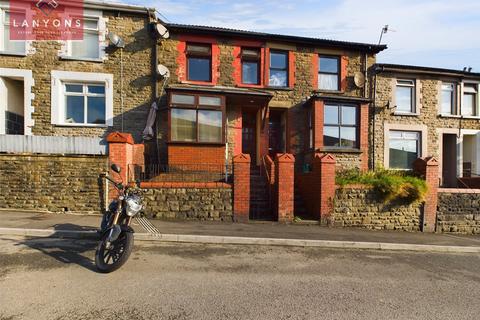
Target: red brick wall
428,169
241,188
363,136
284,195
317,187
196,154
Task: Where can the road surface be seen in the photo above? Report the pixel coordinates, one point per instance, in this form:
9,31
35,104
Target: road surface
56,279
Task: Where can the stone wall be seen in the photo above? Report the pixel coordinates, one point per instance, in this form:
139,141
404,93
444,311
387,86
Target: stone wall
137,80
458,211
52,183
196,202
361,207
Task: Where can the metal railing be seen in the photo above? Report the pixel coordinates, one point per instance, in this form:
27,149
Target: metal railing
181,173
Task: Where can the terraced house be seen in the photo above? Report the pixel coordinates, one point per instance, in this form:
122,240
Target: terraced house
60,98
421,111
236,92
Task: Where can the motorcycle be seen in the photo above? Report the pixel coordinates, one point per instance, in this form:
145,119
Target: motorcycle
116,242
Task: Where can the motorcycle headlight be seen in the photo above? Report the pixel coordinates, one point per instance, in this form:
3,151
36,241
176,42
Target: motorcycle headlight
134,205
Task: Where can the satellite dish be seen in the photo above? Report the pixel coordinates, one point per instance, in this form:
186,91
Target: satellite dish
115,40
162,31
359,79
163,71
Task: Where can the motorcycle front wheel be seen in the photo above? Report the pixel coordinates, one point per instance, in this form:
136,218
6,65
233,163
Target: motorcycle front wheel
111,258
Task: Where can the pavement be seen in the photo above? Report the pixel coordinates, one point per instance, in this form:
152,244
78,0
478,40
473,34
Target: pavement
25,223
50,278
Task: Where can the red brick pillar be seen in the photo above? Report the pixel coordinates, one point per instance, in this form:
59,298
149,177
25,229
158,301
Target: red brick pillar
325,167
121,151
428,169
241,188
284,173
364,119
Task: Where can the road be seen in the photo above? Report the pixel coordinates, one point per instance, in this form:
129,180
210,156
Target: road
56,279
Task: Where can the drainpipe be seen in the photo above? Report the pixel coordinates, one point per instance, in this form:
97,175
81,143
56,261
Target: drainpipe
376,71
365,66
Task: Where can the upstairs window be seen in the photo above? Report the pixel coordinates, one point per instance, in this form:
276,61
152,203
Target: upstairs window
448,98
328,73
84,103
340,126
196,119
405,96
278,69
89,47
7,45
250,66
199,62
469,106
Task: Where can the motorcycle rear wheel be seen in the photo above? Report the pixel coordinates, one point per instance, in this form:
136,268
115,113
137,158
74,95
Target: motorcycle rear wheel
109,260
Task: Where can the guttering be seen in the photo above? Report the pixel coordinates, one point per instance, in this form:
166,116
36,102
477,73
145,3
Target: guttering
380,68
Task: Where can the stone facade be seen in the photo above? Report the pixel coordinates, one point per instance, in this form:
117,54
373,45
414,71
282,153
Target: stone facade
138,85
52,183
189,203
361,207
458,212
428,117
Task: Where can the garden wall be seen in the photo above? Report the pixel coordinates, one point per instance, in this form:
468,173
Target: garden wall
359,206
188,200
458,211
56,183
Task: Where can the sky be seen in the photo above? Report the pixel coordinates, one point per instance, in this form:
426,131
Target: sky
435,33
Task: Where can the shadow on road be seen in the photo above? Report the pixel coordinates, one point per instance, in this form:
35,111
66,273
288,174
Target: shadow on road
68,251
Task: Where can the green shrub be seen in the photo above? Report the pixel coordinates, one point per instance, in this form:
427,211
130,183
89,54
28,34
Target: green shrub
390,184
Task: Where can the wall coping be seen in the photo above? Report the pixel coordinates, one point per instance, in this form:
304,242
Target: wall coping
354,186
186,185
120,137
53,155
453,190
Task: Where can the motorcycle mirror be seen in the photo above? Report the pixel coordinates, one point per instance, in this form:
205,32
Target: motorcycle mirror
115,168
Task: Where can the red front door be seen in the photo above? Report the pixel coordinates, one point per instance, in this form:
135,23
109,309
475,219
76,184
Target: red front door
249,133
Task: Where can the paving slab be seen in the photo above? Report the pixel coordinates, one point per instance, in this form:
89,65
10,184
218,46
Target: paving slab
213,231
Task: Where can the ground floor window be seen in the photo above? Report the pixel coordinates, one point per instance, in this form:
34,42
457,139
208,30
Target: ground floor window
197,119
404,149
340,126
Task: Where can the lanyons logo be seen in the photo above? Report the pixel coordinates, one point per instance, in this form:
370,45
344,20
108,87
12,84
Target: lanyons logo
46,6
46,20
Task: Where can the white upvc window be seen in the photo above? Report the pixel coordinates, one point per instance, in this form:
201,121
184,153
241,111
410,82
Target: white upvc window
405,96
84,103
8,46
82,99
449,98
89,47
404,149
470,100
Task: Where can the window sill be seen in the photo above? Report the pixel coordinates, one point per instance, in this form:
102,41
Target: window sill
339,150
200,83
244,85
99,60
456,116
81,125
328,91
15,54
279,88
407,114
